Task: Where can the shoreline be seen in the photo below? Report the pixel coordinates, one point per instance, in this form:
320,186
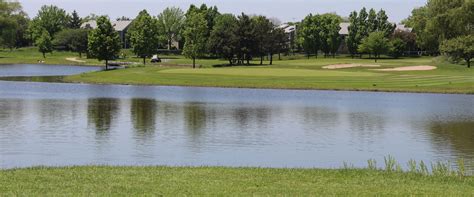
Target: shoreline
238,87
260,88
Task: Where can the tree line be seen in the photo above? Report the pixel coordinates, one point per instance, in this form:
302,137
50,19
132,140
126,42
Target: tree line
441,26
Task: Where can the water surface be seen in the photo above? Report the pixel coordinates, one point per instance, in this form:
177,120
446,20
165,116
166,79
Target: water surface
58,124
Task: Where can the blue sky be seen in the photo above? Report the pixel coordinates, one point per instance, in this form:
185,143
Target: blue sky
285,10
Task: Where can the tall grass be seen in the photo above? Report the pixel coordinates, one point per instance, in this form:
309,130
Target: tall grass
439,168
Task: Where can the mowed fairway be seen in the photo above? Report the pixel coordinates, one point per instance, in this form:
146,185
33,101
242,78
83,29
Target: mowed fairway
299,74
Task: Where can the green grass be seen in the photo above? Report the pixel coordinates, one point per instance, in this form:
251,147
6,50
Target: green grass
172,181
300,74
293,72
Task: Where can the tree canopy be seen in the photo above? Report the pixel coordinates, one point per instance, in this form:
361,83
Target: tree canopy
104,41
461,47
49,18
144,35
224,39
170,23
195,36
376,44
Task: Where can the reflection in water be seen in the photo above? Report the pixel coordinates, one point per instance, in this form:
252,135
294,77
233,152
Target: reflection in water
80,124
143,115
455,135
101,112
195,117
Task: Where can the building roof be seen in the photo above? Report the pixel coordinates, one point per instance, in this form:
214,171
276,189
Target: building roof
288,28
118,25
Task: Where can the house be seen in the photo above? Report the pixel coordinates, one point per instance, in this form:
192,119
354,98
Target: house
120,26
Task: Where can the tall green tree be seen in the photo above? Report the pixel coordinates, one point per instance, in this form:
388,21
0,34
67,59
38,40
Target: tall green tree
44,43
170,23
50,18
376,44
329,35
281,43
195,36
353,38
104,41
309,34
144,35
75,21
263,37
460,47
246,34
210,14
372,23
224,39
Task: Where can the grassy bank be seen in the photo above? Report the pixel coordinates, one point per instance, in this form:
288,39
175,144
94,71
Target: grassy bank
293,72
299,74
138,181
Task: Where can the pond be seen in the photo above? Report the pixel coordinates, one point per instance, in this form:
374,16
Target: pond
58,124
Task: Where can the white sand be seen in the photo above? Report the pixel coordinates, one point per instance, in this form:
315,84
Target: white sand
340,66
74,59
408,68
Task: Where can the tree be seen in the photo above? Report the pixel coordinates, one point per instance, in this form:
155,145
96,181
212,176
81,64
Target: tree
224,39
104,41
282,42
210,14
329,35
460,47
75,22
144,35
195,36
441,20
8,28
49,18
309,34
397,47
263,30
352,40
73,40
383,24
44,43
408,37
13,24
374,44
170,23
246,34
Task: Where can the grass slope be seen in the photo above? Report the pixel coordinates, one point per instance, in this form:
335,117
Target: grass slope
151,181
293,72
299,74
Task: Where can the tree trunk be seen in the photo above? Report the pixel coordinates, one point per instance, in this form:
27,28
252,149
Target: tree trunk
194,63
261,60
106,64
230,61
279,56
44,55
271,59
80,55
468,63
144,60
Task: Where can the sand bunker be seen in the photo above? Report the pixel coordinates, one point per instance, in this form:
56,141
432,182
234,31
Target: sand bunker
340,66
74,59
408,68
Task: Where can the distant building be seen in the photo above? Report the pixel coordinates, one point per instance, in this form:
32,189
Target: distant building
120,26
